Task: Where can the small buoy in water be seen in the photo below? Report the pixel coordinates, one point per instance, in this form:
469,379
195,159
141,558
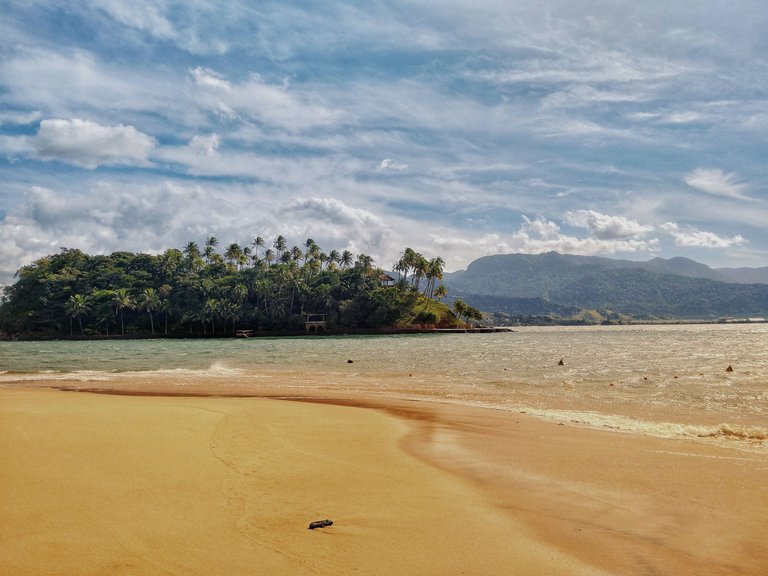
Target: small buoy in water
561,363
349,361
729,369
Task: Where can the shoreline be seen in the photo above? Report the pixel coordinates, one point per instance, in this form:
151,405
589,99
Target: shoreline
621,503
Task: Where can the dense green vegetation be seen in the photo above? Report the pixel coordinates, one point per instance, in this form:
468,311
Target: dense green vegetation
196,292
592,289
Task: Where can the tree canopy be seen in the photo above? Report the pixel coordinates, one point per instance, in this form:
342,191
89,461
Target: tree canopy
266,286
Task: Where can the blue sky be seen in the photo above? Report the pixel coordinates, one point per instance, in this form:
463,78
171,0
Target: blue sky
461,129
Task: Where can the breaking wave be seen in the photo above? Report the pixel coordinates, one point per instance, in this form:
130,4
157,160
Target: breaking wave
659,429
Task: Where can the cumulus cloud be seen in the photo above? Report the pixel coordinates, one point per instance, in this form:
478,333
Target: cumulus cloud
90,145
691,237
717,183
152,217
336,221
606,227
542,235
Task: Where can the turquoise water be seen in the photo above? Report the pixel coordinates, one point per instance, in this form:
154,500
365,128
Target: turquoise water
634,378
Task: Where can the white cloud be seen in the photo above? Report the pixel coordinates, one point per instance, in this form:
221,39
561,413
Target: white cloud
205,145
142,14
607,227
151,217
391,165
276,105
717,183
19,118
12,146
88,144
209,79
690,237
337,222
542,235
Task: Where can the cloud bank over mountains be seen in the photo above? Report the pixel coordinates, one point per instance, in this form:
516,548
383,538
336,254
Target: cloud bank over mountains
566,125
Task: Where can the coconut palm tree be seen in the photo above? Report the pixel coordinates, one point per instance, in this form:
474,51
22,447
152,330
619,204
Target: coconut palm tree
257,243
346,259
434,272
279,246
333,258
269,256
234,254
193,258
77,306
440,292
149,301
365,262
210,248
122,300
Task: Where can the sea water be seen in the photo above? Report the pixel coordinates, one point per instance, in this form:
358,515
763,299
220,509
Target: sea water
670,380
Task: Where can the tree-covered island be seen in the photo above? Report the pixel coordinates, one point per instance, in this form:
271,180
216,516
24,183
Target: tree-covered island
263,287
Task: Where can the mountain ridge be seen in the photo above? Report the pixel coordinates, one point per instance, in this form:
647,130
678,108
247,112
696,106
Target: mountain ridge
658,288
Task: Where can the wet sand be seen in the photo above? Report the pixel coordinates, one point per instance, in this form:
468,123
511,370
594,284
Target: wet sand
113,484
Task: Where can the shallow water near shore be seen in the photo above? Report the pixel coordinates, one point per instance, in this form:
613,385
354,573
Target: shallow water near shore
668,381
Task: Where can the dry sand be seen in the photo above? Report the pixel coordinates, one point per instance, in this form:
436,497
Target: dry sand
104,484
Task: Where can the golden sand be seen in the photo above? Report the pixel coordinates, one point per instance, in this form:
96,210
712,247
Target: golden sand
103,484
130,484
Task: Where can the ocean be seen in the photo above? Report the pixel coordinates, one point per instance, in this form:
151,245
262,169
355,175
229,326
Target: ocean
660,380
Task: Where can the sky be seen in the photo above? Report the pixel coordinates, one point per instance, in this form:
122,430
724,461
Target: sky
459,128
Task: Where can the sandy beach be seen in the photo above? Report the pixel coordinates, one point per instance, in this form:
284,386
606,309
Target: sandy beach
135,484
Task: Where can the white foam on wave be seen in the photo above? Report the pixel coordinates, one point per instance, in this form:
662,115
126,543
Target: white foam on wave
753,435
217,369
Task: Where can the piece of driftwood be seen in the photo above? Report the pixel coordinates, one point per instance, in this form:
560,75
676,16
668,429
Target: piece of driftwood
320,524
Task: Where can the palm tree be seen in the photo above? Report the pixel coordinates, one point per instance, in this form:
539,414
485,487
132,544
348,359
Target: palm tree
122,299
150,301
210,248
365,262
420,266
77,306
309,245
193,259
346,259
333,258
434,272
210,311
257,243
165,304
296,254
234,254
269,256
466,311
279,246
460,308
440,292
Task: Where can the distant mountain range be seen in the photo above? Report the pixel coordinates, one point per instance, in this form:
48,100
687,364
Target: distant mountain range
561,285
